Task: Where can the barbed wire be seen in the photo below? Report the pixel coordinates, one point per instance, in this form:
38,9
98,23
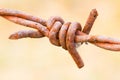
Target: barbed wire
60,33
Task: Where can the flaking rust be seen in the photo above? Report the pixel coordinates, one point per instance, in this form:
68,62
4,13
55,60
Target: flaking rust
60,33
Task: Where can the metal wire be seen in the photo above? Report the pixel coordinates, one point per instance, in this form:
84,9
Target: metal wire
60,33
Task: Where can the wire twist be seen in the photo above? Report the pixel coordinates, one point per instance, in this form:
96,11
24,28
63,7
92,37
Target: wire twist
60,33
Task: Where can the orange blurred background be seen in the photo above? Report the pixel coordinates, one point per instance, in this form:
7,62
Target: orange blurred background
38,59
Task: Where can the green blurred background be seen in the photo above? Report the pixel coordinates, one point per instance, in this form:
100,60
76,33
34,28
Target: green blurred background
37,59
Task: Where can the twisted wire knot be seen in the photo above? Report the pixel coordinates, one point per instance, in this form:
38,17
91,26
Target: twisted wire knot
63,34
60,33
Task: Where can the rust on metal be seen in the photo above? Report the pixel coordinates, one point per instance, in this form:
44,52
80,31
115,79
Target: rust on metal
60,33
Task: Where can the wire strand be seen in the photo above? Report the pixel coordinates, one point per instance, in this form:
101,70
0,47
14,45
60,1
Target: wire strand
60,33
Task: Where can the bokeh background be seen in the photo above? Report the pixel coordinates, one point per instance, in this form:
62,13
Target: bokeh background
37,59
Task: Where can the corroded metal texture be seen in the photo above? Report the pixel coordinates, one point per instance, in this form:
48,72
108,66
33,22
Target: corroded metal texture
60,33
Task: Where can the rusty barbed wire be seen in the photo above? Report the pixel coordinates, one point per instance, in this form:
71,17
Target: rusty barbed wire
60,33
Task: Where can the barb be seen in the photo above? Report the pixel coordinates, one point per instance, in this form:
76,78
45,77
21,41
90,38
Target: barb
60,33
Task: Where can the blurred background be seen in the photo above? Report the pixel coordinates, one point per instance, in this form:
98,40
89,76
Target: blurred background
38,59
